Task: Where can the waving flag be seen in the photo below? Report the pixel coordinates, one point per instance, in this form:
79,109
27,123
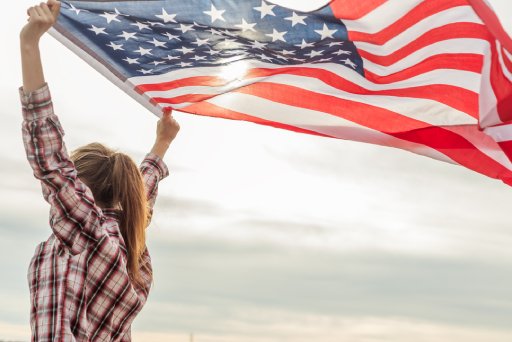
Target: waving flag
433,77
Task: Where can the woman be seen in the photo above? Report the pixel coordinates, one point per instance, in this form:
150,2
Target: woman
91,278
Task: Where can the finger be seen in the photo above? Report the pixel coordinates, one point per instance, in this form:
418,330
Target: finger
54,7
47,12
39,11
32,12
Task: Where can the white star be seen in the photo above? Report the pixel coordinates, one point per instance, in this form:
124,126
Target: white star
115,46
263,56
245,26
215,14
143,51
215,32
212,52
324,59
157,62
349,62
229,33
127,35
276,35
170,58
286,52
131,60
171,36
154,23
97,30
183,64
141,26
185,50
342,52
200,42
185,28
74,9
331,44
282,57
265,9
199,25
145,72
296,19
157,43
166,17
119,13
110,17
258,45
314,53
304,45
199,58
325,32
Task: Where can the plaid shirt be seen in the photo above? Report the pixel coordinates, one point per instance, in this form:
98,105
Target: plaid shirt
79,286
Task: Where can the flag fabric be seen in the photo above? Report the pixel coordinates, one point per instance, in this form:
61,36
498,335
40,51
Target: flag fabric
433,77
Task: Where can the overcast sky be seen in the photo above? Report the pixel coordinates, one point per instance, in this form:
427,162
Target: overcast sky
262,234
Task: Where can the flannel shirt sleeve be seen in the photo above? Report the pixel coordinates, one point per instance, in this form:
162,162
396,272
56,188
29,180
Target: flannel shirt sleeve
153,170
74,217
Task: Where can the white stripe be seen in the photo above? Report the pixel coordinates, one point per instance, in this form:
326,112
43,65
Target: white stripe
462,78
500,133
484,143
317,121
488,102
452,46
429,111
506,72
464,14
382,17
457,78
507,54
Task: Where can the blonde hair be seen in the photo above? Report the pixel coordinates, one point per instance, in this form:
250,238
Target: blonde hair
116,182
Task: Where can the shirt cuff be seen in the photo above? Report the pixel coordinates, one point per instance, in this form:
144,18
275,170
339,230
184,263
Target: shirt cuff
36,104
155,160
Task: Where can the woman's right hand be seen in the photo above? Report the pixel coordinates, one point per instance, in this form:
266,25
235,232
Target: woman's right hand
41,18
166,130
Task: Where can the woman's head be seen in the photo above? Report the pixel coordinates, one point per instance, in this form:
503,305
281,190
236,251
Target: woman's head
116,182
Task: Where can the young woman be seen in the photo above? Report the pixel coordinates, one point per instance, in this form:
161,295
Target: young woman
91,278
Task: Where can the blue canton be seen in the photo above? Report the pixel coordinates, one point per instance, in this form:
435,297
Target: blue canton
155,37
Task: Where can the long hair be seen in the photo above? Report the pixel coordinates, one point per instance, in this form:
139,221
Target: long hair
116,182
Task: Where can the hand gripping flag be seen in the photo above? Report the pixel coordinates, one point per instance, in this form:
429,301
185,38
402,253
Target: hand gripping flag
433,77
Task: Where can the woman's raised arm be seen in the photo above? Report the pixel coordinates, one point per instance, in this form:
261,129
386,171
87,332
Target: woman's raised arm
41,18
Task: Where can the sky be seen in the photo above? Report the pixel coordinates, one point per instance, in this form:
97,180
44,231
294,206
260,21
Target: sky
262,234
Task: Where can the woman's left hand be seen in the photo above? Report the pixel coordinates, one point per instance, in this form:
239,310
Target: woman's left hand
41,18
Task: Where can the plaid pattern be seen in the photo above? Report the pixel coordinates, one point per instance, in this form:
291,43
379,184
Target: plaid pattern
79,285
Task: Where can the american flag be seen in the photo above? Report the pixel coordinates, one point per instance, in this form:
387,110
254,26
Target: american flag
433,77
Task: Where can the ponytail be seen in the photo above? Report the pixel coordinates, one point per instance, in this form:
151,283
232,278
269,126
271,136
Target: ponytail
115,181
128,191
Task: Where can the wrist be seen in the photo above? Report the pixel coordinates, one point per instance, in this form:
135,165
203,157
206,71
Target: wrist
29,45
160,147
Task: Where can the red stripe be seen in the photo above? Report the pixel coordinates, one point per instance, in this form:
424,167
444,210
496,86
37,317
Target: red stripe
502,87
455,97
492,22
464,62
354,9
454,146
450,31
208,109
506,60
182,82
192,98
417,14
